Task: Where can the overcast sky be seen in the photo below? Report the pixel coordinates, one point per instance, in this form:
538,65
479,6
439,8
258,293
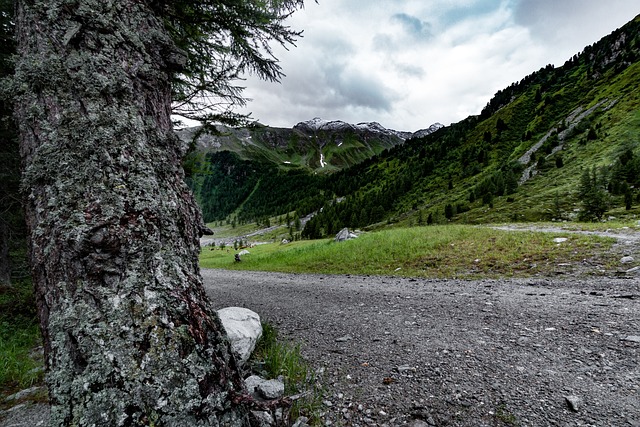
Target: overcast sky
410,63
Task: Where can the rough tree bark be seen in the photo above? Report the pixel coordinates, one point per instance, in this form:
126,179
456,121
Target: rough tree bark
130,337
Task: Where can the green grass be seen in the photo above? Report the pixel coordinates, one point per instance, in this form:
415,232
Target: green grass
434,251
20,366
274,357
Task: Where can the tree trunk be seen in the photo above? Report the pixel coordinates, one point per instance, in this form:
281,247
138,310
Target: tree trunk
130,337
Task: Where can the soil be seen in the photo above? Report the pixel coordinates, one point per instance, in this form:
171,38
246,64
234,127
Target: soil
389,351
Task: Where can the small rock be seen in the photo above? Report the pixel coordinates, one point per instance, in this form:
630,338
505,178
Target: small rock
627,259
344,234
301,422
344,338
279,416
243,328
266,389
327,403
632,338
263,419
560,240
574,402
634,270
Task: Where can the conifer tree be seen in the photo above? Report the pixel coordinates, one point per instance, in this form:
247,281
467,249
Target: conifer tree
628,197
12,227
130,337
593,196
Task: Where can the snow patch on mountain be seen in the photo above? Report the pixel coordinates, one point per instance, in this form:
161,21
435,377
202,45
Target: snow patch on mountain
317,124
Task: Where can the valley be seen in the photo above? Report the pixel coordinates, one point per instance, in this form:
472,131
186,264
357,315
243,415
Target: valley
562,144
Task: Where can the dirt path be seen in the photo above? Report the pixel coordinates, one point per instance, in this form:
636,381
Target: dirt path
625,236
459,353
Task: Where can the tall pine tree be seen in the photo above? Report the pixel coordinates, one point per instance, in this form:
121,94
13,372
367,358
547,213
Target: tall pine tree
130,336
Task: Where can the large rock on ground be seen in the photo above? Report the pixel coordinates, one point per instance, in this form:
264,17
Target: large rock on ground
243,328
345,234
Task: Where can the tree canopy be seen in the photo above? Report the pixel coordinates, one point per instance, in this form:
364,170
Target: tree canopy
221,41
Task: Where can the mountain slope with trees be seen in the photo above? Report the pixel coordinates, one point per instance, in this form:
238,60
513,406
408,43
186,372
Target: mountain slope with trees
260,171
316,145
523,158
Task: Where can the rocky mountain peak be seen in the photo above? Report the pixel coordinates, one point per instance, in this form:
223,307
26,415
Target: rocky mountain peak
318,124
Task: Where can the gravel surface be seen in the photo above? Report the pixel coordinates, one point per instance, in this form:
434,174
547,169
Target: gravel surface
527,352
389,351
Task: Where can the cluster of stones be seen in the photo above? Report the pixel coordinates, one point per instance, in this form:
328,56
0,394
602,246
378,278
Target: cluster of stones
244,329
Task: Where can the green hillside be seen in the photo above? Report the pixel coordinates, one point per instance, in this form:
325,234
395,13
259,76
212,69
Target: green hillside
522,159
561,144
261,171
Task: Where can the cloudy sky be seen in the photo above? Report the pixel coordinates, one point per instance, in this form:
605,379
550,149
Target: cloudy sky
410,63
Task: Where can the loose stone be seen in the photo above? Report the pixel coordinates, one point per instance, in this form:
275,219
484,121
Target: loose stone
574,402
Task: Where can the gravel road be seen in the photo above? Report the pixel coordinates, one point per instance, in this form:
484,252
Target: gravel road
392,351
527,352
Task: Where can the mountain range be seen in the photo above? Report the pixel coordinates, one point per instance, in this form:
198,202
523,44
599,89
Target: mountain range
317,145
541,149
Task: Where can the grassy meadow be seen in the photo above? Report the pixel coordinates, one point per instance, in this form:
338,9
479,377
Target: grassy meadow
442,251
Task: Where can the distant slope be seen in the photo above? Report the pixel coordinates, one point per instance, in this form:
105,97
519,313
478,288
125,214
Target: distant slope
262,171
522,158
531,154
316,145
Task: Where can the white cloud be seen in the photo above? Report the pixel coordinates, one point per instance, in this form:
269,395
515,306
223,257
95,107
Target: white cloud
409,63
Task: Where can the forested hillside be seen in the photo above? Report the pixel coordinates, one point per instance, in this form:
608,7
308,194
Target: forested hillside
259,171
254,191
562,143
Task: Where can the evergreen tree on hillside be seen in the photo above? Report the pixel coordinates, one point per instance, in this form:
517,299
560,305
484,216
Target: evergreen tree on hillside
628,196
593,196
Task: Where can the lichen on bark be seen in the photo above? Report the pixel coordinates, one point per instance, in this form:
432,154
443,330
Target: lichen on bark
130,336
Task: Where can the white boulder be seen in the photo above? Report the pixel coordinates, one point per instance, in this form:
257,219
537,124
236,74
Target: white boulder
345,234
243,329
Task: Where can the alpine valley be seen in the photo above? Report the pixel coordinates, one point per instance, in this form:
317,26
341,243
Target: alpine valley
562,143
